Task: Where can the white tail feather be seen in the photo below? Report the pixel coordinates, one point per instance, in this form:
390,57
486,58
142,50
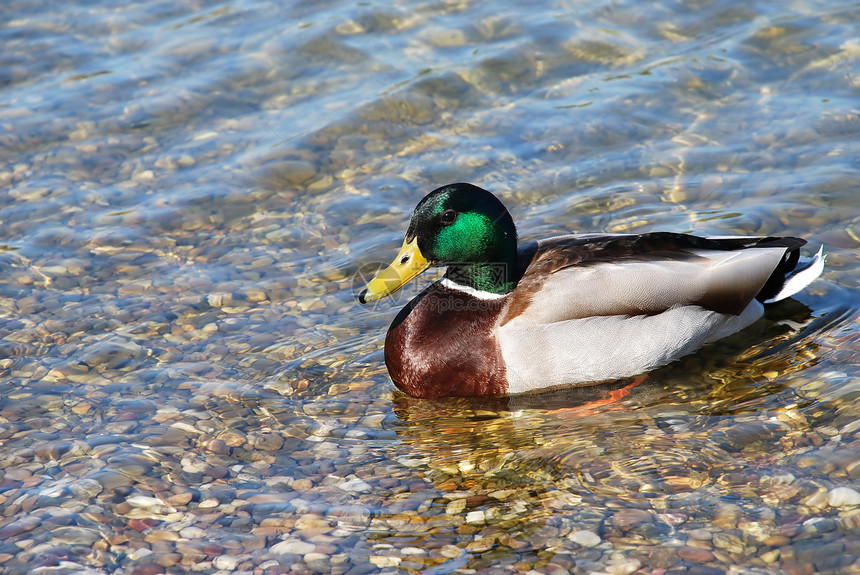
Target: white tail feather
807,270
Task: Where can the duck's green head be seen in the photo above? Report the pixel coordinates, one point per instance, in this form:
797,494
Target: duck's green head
460,226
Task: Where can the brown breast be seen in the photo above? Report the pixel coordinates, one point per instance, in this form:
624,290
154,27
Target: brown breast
442,344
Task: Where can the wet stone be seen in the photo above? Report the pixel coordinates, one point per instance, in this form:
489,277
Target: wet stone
701,534
695,554
704,570
86,488
147,569
318,562
814,551
75,535
623,566
584,538
226,562
728,542
630,518
843,497
292,547
190,386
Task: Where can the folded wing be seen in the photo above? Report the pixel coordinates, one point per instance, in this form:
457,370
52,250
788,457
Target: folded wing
573,277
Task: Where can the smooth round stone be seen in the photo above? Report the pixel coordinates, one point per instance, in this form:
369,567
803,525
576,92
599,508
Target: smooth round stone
293,547
74,535
819,499
226,562
318,562
728,542
356,485
585,538
475,517
451,551
18,474
86,488
311,522
843,497
383,561
192,532
695,554
145,502
180,498
629,518
777,541
623,566
701,534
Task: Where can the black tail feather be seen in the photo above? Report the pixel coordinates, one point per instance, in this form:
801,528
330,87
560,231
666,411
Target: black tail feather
779,276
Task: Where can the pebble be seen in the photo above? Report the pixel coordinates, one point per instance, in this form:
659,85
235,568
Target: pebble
451,551
356,485
75,535
86,488
192,532
843,497
728,542
190,387
623,566
226,562
585,538
294,546
629,518
318,562
475,517
701,534
383,561
817,500
695,554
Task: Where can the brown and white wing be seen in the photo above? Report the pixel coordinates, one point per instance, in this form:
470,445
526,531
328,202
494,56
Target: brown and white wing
572,277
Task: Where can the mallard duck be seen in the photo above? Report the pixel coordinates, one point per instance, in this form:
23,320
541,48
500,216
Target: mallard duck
569,310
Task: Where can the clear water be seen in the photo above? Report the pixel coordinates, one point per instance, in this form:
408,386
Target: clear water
189,193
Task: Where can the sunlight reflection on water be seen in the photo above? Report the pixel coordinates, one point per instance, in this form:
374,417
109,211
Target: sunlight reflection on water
188,383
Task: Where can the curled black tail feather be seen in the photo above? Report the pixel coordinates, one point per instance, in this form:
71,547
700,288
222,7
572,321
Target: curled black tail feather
777,278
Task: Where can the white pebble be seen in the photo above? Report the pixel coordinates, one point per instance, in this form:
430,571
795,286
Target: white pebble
465,466
623,566
225,562
384,561
475,517
356,486
144,501
293,546
585,538
192,532
843,497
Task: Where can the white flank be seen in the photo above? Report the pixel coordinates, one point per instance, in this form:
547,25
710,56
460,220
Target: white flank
609,347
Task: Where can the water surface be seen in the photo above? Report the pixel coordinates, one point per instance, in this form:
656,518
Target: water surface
189,191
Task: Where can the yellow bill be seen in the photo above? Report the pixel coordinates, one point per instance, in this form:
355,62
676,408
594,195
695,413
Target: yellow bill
408,264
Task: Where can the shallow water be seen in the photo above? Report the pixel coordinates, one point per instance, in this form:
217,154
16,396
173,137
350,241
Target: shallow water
192,191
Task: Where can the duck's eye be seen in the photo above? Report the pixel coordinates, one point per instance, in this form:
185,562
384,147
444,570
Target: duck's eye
448,216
